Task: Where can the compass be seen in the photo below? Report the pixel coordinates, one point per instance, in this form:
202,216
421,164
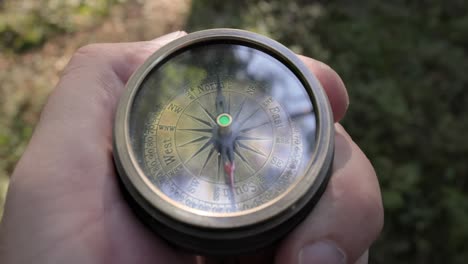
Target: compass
223,141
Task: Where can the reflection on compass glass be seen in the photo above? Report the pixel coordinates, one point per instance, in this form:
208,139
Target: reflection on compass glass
222,128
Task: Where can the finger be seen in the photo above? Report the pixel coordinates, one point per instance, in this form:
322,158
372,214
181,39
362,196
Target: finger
98,72
333,85
348,217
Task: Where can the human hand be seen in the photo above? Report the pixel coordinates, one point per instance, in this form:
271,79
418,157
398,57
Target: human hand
64,204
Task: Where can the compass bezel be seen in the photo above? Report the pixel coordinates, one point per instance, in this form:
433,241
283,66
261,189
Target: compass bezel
290,203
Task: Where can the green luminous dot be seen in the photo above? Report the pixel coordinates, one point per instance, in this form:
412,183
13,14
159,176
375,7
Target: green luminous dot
224,120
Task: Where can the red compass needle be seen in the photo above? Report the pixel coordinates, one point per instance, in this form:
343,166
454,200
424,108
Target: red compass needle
229,168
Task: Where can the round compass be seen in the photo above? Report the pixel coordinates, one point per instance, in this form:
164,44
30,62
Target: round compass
223,141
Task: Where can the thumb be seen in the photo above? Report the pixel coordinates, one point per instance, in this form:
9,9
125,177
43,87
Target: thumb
66,175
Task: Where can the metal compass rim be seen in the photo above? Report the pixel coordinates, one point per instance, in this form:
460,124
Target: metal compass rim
285,207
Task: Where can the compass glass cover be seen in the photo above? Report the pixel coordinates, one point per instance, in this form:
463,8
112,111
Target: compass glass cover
222,129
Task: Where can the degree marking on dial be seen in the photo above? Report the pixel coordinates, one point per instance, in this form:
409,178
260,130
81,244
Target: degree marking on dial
199,120
194,141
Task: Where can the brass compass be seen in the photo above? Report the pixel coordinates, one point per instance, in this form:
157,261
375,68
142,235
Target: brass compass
223,141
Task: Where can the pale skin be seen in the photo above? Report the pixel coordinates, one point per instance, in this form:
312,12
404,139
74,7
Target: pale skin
64,205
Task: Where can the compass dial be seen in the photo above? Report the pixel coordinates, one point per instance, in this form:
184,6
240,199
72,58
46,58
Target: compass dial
243,109
223,130
188,141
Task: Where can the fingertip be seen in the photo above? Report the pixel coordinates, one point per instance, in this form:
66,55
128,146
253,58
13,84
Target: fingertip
332,84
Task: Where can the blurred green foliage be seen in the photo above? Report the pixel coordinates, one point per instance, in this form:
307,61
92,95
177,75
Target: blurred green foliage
26,24
405,66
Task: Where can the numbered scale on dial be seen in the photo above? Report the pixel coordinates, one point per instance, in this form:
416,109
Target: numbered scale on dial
223,141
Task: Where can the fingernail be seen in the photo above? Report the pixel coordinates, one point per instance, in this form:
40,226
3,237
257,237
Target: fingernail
323,252
346,95
169,37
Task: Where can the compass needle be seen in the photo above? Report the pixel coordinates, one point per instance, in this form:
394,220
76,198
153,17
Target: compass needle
221,106
223,132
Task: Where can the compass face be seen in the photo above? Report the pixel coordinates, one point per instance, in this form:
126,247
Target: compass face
222,129
223,141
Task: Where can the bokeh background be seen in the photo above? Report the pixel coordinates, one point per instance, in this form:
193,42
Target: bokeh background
405,64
